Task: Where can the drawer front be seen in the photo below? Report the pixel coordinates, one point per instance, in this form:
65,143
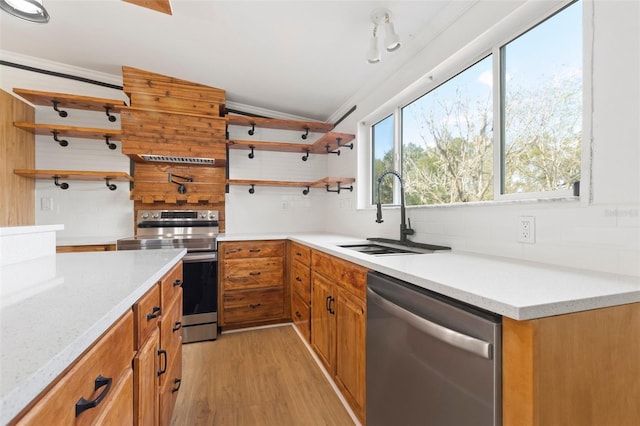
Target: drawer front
301,280
169,390
301,315
301,253
347,275
109,357
171,285
147,311
251,249
253,273
171,324
253,305
118,409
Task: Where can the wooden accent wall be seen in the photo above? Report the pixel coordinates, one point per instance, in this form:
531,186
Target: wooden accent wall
178,118
17,151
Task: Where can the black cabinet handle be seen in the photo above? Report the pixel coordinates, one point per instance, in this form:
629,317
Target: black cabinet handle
163,370
298,314
155,313
177,326
83,404
299,279
298,254
177,283
326,303
254,305
254,250
254,273
177,382
233,251
331,300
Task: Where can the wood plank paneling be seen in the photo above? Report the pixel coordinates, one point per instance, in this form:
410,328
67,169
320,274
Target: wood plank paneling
17,151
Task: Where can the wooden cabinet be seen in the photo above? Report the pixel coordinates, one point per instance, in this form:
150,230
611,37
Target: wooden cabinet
300,284
338,324
97,386
251,282
145,367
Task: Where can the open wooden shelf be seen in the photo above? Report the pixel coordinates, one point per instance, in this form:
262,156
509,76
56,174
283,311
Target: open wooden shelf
65,100
74,175
327,183
275,123
327,143
69,131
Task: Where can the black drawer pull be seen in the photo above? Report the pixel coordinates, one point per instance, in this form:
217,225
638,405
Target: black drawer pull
155,313
177,382
254,250
298,314
83,404
254,305
254,273
177,326
233,251
299,279
177,283
298,254
163,370
326,303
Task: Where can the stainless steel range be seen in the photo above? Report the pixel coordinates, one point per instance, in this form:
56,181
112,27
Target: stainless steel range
195,230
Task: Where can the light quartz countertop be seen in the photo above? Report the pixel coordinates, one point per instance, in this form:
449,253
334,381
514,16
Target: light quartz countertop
516,289
54,307
88,240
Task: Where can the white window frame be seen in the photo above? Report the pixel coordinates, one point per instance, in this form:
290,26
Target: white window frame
514,25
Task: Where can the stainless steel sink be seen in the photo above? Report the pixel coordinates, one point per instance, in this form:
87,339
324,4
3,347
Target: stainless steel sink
391,247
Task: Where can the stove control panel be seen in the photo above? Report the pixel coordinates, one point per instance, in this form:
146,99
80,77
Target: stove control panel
176,215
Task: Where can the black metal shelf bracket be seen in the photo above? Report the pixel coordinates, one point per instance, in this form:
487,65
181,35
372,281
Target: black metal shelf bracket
252,130
110,144
60,112
340,188
112,118
306,156
331,152
252,190
111,186
62,142
344,145
305,191
251,154
62,185
306,133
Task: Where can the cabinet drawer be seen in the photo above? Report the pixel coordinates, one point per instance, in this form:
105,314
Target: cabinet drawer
253,305
250,249
171,285
301,315
171,324
254,273
146,311
169,390
110,358
300,253
301,280
347,275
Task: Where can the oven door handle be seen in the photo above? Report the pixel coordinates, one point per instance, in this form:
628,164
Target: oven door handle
200,257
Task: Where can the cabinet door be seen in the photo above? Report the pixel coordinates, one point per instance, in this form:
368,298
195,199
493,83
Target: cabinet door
323,321
350,348
145,379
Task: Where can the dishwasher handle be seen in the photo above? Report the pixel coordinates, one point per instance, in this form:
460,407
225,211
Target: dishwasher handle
444,334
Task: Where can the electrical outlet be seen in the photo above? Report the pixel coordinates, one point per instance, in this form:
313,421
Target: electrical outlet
527,229
46,204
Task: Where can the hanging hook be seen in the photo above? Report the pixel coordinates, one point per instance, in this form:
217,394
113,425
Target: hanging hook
341,145
62,142
331,152
305,191
112,118
251,154
62,185
253,129
111,186
60,112
252,189
304,136
111,145
182,189
306,156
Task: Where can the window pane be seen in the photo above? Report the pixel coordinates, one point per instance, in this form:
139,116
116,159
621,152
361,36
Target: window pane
382,149
542,105
447,154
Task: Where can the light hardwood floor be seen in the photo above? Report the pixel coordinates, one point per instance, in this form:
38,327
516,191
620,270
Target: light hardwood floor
258,377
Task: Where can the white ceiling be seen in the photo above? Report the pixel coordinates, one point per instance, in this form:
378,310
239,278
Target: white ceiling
305,58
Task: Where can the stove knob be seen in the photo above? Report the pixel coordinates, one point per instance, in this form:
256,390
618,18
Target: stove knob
203,215
145,215
212,216
156,215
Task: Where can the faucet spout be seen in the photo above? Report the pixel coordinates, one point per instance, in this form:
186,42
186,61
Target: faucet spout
405,229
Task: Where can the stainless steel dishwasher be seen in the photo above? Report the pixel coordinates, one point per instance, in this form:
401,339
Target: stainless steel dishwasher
431,360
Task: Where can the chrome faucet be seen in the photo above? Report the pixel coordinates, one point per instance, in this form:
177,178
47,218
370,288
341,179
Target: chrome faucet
404,228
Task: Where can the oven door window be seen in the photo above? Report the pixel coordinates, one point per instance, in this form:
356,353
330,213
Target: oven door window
200,286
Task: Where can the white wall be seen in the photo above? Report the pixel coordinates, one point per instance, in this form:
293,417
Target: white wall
86,208
600,232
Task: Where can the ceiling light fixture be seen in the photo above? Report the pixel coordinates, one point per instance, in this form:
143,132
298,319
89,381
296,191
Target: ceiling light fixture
382,18
30,10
